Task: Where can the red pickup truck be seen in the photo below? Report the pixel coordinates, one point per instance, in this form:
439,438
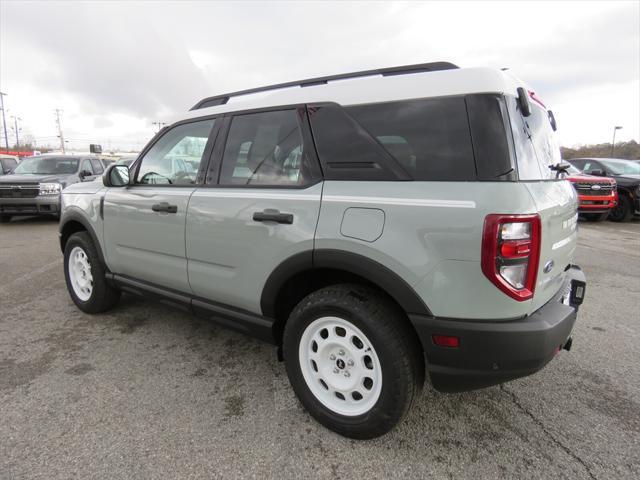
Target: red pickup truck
597,195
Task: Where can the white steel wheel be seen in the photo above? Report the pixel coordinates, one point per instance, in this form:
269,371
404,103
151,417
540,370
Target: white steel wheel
80,274
340,366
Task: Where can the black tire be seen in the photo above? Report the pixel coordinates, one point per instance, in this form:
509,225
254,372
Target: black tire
393,340
103,296
623,211
5,218
596,217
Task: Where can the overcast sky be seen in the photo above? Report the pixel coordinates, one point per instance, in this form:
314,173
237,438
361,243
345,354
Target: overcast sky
116,67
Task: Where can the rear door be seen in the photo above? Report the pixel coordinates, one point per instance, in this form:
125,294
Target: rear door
260,206
555,199
144,223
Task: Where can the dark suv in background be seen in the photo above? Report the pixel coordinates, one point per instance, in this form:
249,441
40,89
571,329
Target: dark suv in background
626,174
34,186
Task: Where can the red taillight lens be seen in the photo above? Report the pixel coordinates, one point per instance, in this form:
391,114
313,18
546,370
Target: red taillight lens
511,253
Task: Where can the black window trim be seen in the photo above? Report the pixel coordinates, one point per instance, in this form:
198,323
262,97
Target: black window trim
212,179
206,154
390,163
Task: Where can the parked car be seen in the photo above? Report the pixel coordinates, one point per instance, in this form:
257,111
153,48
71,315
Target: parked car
34,186
409,219
627,176
7,163
596,195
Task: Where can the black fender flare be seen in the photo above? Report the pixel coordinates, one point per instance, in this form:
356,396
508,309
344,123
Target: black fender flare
75,216
378,274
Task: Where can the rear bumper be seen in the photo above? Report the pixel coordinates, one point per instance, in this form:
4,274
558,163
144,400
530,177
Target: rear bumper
492,352
41,205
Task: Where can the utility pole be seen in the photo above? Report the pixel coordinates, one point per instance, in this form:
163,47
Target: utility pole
15,128
4,121
58,112
613,143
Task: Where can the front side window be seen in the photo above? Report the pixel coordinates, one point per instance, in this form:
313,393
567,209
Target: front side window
86,166
176,157
97,166
264,149
429,138
8,164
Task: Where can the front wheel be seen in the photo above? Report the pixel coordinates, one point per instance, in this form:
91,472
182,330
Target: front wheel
85,276
353,360
623,211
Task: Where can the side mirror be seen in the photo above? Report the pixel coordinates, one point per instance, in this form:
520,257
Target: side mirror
84,173
597,172
116,176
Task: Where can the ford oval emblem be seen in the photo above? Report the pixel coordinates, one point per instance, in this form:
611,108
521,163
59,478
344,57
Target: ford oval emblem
595,187
548,266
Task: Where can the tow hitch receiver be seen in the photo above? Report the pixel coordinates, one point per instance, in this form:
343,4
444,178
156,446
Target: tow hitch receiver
567,345
577,293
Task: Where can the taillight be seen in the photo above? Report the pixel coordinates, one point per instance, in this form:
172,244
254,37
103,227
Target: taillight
511,253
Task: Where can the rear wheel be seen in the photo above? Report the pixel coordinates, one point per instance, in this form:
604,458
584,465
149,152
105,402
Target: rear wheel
5,218
623,211
596,217
85,275
352,360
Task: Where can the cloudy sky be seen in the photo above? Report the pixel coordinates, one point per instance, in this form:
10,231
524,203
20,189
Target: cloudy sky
116,67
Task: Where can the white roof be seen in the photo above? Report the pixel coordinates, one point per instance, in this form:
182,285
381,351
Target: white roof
374,89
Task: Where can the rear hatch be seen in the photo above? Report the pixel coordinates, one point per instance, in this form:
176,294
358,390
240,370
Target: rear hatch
555,198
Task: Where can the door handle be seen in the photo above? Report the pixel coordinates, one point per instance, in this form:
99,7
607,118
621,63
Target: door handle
270,215
164,207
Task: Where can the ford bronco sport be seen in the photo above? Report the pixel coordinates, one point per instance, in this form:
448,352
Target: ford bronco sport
376,226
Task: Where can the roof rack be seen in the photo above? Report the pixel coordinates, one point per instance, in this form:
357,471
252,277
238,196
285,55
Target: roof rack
385,72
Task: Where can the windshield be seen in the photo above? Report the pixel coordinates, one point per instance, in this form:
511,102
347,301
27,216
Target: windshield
47,166
573,170
618,167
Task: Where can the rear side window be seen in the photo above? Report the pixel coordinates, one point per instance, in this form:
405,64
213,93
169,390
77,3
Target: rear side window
489,134
429,138
265,149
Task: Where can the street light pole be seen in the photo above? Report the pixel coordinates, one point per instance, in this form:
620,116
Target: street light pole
613,143
15,126
4,120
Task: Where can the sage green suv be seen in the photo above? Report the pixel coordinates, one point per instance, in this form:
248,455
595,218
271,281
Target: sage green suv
377,227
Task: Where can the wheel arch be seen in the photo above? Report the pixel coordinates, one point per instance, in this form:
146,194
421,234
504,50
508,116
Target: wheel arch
308,271
73,222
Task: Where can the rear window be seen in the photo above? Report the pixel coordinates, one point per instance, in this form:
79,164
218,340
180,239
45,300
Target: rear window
429,138
535,142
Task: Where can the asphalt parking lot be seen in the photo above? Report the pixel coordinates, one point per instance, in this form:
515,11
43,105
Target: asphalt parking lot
148,392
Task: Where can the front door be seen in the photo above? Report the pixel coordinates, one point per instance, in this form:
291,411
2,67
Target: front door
144,223
263,210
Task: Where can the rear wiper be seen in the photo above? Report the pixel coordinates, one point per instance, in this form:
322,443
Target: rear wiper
560,168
